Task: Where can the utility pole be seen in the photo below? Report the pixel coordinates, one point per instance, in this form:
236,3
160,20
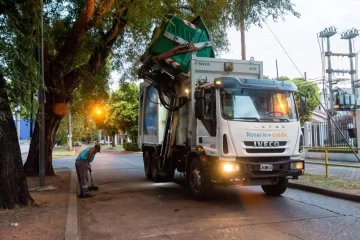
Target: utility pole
17,119
31,114
349,35
99,136
242,5
242,33
327,33
69,148
277,70
41,96
305,77
357,66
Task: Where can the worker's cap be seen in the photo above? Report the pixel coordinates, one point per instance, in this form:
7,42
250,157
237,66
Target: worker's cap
97,147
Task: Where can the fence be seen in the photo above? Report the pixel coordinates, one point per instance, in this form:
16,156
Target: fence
327,164
320,134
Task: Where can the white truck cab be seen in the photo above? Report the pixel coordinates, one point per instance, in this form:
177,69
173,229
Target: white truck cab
234,128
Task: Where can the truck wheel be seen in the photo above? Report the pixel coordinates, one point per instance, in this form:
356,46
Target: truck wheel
200,183
155,168
277,189
147,164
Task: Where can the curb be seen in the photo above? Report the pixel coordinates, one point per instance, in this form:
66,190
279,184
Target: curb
326,192
72,226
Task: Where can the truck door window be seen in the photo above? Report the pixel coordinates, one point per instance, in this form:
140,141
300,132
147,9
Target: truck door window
210,112
209,103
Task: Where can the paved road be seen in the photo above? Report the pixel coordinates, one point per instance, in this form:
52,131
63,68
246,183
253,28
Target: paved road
128,206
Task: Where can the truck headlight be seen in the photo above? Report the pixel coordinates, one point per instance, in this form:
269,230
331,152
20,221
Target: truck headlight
231,167
297,165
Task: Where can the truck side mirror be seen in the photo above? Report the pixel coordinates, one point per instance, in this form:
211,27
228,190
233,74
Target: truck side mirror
302,105
199,96
199,108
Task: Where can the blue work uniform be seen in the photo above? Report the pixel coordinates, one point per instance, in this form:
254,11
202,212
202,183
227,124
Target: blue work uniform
83,156
82,168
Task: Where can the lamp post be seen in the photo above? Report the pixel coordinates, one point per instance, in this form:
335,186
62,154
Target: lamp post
41,95
349,35
328,33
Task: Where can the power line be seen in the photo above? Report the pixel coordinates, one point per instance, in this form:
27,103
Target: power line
284,50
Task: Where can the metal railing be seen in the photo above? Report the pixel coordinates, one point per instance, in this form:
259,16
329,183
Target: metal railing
327,164
320,134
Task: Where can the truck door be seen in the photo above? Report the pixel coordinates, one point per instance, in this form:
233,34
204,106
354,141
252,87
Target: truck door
206,128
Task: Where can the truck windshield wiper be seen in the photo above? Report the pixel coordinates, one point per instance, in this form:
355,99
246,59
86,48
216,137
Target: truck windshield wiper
277,119
247,118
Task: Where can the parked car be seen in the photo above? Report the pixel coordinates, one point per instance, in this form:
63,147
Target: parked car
102,142
78,144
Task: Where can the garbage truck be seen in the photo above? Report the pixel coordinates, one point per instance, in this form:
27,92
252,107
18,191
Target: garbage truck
215,121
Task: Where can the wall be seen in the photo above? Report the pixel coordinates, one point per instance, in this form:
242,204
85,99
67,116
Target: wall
24,129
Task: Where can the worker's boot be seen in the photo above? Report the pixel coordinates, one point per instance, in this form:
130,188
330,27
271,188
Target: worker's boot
86,196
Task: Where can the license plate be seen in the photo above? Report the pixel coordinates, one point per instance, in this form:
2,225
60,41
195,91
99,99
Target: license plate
266,167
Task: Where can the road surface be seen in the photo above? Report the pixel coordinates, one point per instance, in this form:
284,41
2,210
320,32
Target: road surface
128,206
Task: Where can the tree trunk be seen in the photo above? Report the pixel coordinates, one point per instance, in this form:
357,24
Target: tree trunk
13,186
113,139
52,122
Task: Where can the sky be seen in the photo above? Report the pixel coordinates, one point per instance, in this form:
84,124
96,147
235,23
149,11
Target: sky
299,38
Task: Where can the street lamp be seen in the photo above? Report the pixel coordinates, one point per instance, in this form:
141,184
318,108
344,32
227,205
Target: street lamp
41,99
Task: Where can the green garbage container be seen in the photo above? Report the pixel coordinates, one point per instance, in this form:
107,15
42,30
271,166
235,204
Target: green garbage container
174,31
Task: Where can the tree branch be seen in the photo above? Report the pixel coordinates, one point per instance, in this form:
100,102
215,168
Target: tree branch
97,59
80,27
8,7
101,11
118,28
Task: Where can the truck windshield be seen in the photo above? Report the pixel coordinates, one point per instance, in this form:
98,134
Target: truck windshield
257,105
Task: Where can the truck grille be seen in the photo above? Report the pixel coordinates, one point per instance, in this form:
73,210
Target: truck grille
261,159
265,150
251,144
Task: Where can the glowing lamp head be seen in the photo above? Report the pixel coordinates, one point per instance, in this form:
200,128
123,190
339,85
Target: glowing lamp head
228,168
231,167
218,83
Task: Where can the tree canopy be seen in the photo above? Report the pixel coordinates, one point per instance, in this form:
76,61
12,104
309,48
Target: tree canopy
308,89
312,93
256,12
123,108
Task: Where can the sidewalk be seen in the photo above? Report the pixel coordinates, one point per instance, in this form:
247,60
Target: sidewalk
338,172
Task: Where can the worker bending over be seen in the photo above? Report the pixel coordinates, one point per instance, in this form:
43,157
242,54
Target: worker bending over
83,165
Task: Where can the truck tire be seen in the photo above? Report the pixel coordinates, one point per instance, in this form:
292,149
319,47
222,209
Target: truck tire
200,183
147,164
277,189
155,168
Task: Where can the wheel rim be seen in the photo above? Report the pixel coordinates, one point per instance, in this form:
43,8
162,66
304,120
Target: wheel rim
195,180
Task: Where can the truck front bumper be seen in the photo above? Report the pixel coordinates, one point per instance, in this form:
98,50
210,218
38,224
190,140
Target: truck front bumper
256,173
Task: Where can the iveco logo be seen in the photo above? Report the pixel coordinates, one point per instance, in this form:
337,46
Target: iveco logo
266,144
